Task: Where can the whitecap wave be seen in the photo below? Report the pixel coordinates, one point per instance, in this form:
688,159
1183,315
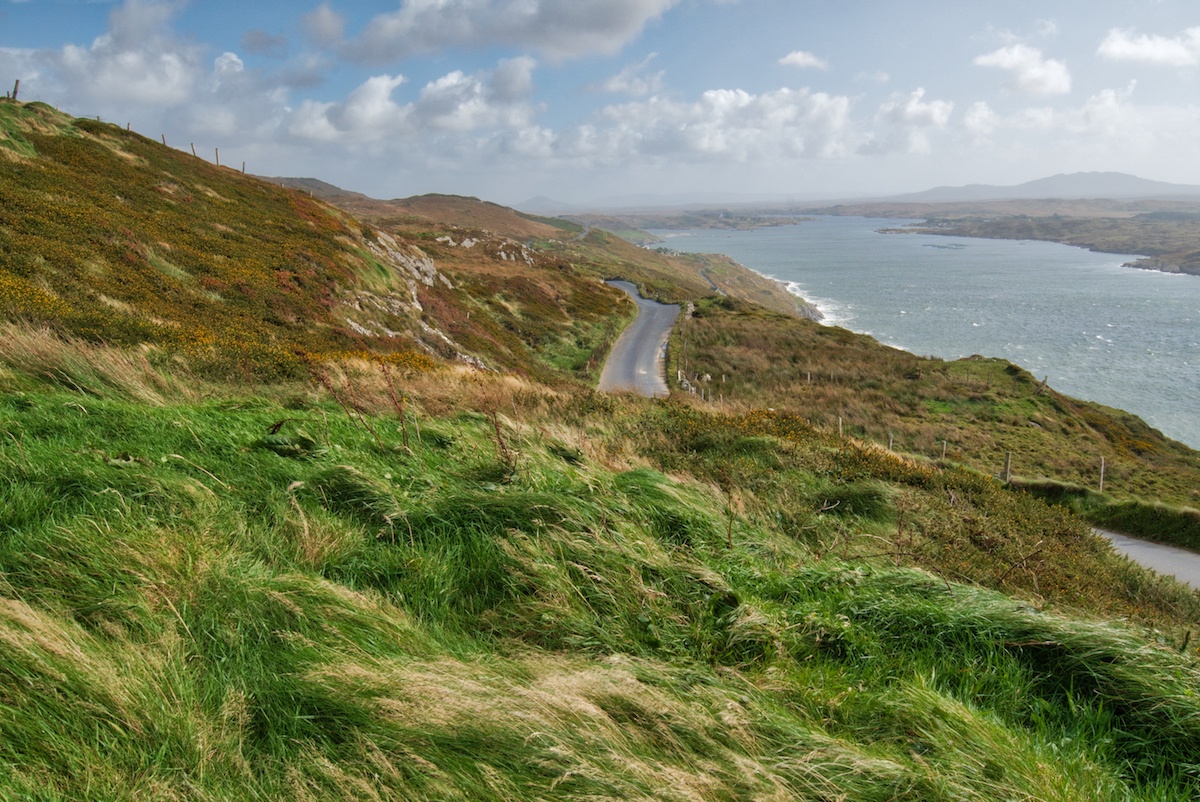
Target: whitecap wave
833,313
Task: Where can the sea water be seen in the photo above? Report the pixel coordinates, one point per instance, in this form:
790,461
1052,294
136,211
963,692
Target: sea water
1120,336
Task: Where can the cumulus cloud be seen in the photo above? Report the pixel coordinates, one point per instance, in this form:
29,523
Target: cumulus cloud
729,125
904,122
1107,128
142,72
1032,72
803,59
633,80
455,103
980,121
1174,51
557,28
138,61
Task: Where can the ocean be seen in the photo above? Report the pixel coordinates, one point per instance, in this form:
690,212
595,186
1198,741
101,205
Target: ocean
1119,336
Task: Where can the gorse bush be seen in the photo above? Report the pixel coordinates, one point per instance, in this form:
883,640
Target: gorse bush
110,237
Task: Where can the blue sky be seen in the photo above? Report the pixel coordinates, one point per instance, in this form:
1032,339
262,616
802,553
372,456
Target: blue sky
582,100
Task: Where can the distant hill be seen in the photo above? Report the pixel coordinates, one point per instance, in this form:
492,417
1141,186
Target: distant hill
1064,185
459,211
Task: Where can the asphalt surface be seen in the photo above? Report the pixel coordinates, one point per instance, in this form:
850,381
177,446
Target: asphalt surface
637,360
1179,563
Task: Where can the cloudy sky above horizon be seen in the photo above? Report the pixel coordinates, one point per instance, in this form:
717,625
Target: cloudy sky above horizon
582,100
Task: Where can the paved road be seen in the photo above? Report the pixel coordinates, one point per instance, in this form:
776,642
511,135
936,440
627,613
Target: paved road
636,362
1179,563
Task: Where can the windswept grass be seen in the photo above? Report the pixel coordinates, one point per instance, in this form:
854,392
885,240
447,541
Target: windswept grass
229,597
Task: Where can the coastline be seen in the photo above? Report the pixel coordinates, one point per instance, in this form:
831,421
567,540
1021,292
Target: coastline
843,259
1157,262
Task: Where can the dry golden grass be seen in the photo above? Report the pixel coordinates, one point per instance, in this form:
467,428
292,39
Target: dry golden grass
95,369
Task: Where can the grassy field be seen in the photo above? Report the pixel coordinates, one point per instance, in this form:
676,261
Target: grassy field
428,562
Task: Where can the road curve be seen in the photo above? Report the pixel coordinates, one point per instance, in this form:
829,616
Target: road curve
1179,563
636,362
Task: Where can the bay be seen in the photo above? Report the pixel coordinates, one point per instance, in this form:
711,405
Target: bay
1120,336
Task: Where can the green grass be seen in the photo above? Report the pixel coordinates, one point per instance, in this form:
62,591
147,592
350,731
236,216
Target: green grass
234,598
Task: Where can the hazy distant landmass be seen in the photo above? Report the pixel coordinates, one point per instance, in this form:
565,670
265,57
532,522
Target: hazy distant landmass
1102,211
1064,185
1106,212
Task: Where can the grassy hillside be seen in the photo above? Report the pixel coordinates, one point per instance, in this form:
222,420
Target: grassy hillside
974,412
386,573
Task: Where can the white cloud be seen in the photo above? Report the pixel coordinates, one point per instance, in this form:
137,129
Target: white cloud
803,59
905,122
1178,51
1032,72
20,63
485,104
727,125
980,122
557,28
632,80
1109,130
137,61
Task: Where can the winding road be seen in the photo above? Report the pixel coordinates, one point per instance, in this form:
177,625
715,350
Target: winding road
637,359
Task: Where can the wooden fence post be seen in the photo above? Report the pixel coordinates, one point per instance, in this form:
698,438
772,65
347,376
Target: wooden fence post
943,449
218,152
1008,468
193,148
16,88
1102,474
164,139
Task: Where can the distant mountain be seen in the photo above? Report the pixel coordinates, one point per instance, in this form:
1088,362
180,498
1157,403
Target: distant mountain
546,206
1064,185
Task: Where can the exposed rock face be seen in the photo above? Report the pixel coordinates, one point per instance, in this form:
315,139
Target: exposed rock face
417,269
408,257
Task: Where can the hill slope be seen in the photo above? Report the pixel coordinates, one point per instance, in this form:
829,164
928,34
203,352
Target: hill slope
388,578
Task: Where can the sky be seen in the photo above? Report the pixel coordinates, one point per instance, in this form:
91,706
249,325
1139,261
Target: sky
588,101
